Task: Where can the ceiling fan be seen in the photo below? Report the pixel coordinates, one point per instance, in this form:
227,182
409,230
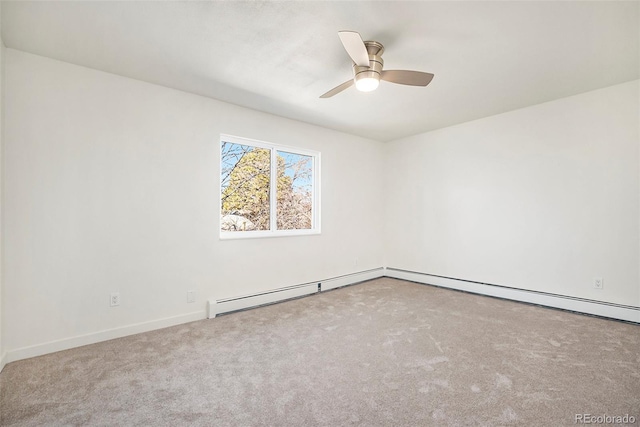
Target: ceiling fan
367,67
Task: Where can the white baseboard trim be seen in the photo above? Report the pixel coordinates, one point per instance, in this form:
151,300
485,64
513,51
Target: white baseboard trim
351,279
109,334
598,308
213,307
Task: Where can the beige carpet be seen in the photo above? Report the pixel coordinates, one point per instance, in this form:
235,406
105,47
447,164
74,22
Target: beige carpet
381,353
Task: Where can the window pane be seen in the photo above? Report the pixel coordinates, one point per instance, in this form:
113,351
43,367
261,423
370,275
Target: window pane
295,191
244,181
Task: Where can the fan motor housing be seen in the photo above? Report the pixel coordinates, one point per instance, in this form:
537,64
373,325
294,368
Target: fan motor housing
375,50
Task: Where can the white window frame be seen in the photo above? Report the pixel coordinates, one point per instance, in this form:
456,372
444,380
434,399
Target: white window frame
273,229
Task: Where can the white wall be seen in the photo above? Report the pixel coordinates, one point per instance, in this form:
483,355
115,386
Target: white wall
543,198
2,352
111,184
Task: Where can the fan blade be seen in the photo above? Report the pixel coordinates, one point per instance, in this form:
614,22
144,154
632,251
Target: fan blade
336,90
355,47
404,77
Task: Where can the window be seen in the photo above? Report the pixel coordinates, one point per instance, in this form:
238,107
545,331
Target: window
267,189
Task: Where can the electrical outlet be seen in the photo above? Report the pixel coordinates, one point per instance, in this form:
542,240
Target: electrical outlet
191,296
115,299
597,282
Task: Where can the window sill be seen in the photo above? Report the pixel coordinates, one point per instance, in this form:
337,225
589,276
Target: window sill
238,235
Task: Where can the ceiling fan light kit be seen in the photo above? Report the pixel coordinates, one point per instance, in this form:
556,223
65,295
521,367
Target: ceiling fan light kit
367,77
368,64
367,83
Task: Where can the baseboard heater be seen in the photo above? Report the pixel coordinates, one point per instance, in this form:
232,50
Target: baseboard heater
227,305
215,307
581,305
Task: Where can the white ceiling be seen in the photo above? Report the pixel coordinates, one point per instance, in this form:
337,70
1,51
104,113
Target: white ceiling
279,57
